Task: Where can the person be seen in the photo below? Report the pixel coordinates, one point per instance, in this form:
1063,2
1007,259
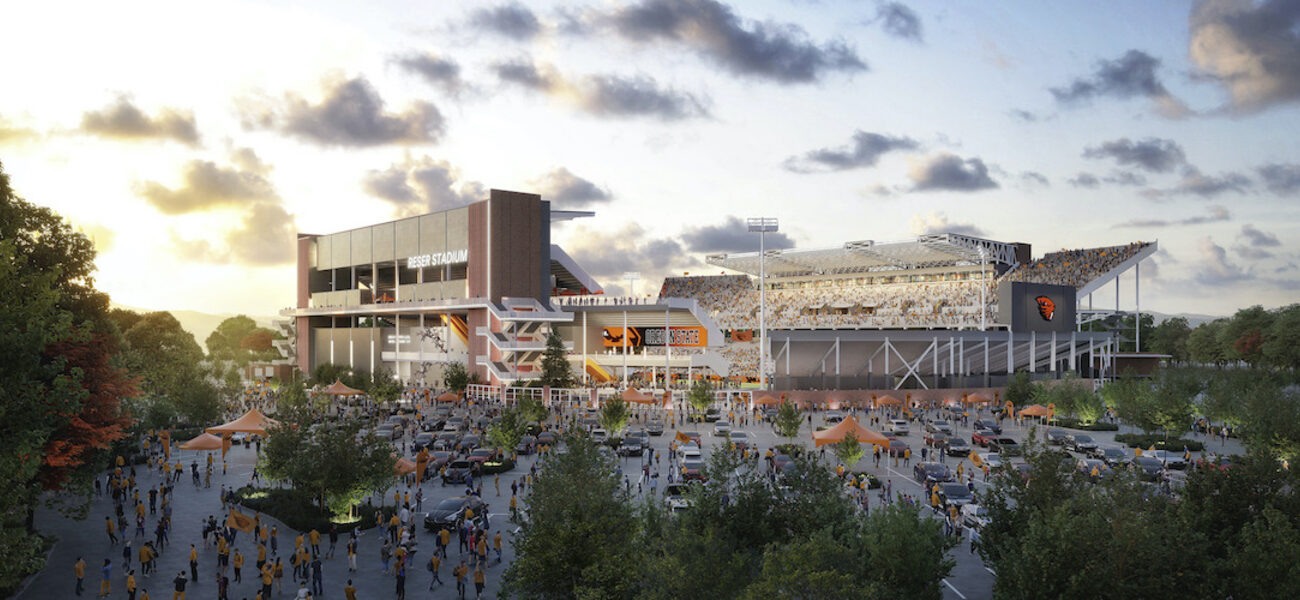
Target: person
352,555
334,540
179,586
400,569
223,586
317,587
279,575
385,552
349,591
434,564
111,529
106,581
496,544
974,539
130,585
460,572
239,563
479,581
79,569
266,570
194,563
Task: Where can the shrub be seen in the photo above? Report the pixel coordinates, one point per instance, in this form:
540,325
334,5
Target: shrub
1137,440
491,469
873,482
298,511
1073,423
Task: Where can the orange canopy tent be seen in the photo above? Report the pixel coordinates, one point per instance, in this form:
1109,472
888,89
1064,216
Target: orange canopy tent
338,389
447,397
1036,410
404,466
767,401
842,430
205,441
631,396
976,399
887,401
253,421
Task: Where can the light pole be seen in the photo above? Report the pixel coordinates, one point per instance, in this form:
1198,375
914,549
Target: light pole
763,226
984,307
631,277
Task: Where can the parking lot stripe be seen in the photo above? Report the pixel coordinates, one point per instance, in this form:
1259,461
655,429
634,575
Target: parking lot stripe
954,590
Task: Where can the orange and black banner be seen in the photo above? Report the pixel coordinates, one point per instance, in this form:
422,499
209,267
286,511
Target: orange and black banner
634,337
241,521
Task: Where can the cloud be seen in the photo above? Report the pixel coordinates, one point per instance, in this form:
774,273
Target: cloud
605,95
439,71
777,52
265,234
937,222
865,150
15,134
206,185
566,190
1126,178
951,172
1152,154
1281,179
416,186
1023,115
1195,183
607,253
511,20
1257,238
102,237
1217,214
732,235
351,113
1250,48
898,20
1085,180
124,121
1129,76
1214,268
1035,178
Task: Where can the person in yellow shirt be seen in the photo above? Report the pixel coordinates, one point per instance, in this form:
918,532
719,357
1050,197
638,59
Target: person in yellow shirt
239,564
434,564
350,592
267,569
261,556
460,572
314,536
444,539
297,543
496,545
111,528
79,569
130,585
480,551
144,593
480,578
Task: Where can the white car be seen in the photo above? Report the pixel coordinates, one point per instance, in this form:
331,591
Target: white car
740,439
675,495
992,459
1171,460
690,454
899,427
974,515
599,435
721,428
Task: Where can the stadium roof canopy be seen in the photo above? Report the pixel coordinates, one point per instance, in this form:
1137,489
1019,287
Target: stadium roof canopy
867,256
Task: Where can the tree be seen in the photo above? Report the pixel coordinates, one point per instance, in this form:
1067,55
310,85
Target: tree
1171,401
1131,399
329,462
1282,344
456,377
532,410
1203,344
161,352
1020,391
505,433
849,450
198,403
385,387
613,415
1170,337
556,371
788,420
293,397
700,396
906,554
1242,336
815,568
1265,563
577,539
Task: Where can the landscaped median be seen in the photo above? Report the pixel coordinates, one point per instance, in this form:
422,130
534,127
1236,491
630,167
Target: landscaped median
299,511
1144,441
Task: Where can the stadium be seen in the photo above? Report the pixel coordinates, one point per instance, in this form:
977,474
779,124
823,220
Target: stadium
484,286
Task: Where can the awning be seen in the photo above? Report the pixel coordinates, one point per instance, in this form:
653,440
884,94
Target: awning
447,397
1036,410
205,441
632,396
404,466
338,389
842,430
253,421
887,401
767,401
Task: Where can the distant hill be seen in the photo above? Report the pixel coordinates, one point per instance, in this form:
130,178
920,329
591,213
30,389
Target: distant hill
202,324
1192,319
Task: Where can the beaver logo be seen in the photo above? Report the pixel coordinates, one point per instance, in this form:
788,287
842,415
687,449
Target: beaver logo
1046,308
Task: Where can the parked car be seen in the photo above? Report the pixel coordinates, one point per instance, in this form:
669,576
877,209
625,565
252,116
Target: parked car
1112,455
423,439
1005,446
631,446
600,435
899,427
437,459
527,445
445,440
469,442
1058,437
1220,461
1082,443
974,515
693,469
1172,460
928,473
546,437
721,428
385,432
739,440
935,439
713,414
690,454
982,437
1147,467
833,417
693,435
676,497
955,494
897,447
450,513
457,471
453,424
955,446
655,428
992,459
989,424
1086,466
939,426
481,455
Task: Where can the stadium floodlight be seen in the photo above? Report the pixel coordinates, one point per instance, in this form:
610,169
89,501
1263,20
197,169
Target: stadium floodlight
762,226
984,306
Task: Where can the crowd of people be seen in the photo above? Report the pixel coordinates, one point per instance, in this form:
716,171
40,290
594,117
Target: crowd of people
1075,267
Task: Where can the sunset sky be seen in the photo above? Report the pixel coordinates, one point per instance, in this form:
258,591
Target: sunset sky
192,140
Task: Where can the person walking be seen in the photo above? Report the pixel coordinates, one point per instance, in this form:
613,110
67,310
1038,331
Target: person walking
178,585
480,579
400,569
460,572
130,585
317,586
349,591
434,564
106,578
239,564
352,555
111,529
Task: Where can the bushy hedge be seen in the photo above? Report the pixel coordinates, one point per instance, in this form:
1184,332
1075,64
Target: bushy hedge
873,482
505,465
1138,440
1073,423
298,511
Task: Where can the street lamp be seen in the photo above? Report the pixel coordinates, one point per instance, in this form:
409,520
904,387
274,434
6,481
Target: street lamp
631,277
762,226
984,307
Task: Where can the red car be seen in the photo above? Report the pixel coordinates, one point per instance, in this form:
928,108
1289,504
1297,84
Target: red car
481,455
982,437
